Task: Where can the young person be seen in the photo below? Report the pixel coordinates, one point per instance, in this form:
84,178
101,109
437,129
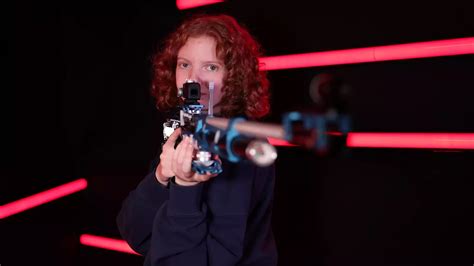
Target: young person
176,216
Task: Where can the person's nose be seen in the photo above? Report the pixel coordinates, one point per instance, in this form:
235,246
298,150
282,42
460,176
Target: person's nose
193,74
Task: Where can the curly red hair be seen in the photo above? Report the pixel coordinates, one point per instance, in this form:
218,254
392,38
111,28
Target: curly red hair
245,89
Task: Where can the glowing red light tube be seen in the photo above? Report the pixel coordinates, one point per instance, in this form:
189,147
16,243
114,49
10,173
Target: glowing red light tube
106,243
42,198
455,141
279,142
371,54
186,4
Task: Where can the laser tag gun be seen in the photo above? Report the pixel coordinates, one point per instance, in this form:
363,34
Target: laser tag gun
186,116
323,130
314,131
225,142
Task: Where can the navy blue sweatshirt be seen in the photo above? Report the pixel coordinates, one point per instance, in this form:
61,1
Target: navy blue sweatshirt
224,221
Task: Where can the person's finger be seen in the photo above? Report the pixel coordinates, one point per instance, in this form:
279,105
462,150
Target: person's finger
195,144
175,164
217,158
166,160
188,156
184,145
202,178
170,142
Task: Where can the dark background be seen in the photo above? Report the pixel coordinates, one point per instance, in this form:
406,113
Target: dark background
83,110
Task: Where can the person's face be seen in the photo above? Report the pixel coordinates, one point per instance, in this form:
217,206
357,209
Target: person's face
198,61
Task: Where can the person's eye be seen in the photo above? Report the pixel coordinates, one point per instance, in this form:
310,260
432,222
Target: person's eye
212,67
183,65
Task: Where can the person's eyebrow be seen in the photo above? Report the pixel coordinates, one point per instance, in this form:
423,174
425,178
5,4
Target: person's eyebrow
182,58
214,62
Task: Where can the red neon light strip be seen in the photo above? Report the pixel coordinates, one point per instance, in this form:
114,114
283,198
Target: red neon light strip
279,142
106,243
42,198
371,54
457,141
186,4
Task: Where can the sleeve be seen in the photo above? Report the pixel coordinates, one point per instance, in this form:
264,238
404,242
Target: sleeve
260,247
135,219
180,228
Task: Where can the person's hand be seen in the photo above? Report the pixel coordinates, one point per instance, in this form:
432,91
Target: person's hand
182,164
164,171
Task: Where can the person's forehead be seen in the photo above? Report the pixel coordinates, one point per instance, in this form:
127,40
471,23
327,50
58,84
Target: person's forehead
202,45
